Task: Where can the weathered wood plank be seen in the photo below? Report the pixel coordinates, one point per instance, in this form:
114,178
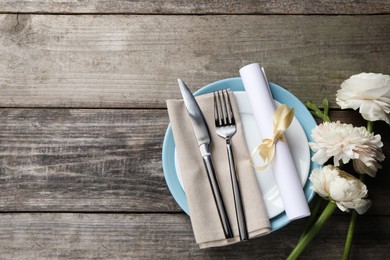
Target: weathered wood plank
169,236
82,160
134,61
97,160
197,7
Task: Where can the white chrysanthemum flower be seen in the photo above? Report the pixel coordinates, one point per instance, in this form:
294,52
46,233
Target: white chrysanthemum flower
345,190
368,92
345,142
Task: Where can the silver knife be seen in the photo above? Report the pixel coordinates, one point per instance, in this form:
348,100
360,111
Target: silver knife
202,135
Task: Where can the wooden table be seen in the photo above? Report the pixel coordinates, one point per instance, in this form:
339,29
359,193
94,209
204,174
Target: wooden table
83,86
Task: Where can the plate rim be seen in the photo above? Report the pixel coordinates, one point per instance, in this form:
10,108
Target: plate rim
306,120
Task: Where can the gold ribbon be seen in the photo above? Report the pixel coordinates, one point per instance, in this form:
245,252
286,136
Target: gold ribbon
282,119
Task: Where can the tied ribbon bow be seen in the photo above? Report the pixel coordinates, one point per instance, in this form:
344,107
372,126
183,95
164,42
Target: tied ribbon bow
282,119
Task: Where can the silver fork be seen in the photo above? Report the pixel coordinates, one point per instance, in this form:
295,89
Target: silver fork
226,128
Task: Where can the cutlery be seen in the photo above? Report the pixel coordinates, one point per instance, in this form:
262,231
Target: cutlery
226,128
203,138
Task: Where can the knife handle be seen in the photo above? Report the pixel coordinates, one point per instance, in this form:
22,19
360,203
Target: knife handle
217,196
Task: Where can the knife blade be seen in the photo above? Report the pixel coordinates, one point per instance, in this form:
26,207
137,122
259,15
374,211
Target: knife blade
202,135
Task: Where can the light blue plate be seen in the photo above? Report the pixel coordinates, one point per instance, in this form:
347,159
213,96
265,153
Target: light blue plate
235,84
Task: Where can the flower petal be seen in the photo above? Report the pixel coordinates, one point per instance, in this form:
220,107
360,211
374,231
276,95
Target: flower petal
368,92
344,142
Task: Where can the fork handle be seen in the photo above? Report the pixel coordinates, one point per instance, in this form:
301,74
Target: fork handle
237,194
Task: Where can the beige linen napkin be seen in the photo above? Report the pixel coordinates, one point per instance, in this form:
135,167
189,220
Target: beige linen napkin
203,212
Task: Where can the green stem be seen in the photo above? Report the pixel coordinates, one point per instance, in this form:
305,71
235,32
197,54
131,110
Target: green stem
317,112
352,223
314,213
351,231
326,118
325,104
313,231
370,126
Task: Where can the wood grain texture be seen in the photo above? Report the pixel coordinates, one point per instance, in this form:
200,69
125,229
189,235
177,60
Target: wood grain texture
83,86
82,160
169,236
197,7
134,61
99,160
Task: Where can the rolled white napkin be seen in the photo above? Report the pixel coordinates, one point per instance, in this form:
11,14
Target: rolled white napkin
284,170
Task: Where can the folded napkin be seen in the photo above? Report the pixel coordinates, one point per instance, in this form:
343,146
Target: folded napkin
203,212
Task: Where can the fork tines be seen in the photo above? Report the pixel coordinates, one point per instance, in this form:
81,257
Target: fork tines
223,111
